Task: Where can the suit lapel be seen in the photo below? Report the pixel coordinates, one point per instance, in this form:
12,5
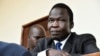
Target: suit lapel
67,47
51,44
69,43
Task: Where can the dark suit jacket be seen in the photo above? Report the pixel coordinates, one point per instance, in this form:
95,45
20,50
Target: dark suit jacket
76,45
10,49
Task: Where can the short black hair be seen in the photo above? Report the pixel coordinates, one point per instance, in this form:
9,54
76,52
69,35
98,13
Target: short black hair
62,5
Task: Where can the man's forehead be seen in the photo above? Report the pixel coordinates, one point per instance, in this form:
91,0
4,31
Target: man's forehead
58,11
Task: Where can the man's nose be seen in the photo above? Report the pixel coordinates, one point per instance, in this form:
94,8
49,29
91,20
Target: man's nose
55,24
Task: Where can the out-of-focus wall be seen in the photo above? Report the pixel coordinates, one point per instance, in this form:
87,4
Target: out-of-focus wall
15,13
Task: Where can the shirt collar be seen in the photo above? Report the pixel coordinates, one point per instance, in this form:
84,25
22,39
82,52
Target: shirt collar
63,42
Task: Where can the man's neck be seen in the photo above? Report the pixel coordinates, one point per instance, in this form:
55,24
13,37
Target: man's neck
64,37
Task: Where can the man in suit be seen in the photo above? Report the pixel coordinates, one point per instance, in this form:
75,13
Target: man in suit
36,32
11,49
63,42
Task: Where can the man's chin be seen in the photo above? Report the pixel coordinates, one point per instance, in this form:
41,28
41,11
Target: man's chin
58,38
55,37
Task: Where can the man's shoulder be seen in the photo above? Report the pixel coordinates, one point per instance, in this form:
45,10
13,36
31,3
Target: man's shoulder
85,36
44,40
16,46
18,50
85,42
11,49
3,44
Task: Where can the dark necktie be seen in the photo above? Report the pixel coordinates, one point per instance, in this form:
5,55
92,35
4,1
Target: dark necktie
58,46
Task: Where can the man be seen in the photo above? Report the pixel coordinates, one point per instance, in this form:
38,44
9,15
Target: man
11,49
63,42
36,32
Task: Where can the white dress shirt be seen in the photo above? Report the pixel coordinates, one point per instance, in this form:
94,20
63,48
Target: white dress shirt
43,53
62,42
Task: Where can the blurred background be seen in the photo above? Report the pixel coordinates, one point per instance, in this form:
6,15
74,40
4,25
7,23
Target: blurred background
16,13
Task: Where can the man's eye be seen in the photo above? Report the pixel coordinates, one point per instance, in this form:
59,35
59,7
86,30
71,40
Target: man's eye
37,38
50,20
62,20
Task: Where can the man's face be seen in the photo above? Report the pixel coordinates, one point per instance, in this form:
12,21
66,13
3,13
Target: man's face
58,23
35,35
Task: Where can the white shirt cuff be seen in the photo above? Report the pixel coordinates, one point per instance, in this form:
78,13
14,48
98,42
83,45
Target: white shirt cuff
42,53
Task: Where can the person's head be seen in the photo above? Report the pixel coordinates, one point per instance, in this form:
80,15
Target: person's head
36,32
60,21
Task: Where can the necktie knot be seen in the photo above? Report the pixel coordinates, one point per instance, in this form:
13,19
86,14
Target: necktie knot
58,46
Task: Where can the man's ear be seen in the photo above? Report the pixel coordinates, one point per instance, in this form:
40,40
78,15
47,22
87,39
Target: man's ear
72,25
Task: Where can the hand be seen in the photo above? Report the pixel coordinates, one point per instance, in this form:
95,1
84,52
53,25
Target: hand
65,53
53,52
